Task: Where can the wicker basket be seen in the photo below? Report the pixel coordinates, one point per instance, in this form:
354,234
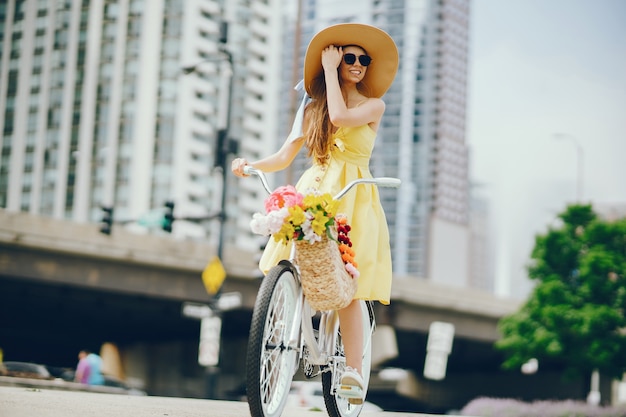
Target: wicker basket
325,281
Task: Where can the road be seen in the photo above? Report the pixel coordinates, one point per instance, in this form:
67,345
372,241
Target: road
38,402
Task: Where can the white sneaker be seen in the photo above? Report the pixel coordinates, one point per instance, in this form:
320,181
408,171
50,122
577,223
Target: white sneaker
351,386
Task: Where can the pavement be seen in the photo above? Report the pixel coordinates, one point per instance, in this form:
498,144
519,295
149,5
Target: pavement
41,402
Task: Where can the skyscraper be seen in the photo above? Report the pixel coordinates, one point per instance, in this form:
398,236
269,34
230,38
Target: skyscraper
95,109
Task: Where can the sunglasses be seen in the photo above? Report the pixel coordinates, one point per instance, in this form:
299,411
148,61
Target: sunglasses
364,60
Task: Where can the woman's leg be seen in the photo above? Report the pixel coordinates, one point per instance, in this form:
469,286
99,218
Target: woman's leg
351,323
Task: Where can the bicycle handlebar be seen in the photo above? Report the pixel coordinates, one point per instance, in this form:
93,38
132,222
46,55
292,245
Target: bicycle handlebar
248,170
380,182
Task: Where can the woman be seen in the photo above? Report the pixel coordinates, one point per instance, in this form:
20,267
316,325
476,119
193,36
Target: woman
347,68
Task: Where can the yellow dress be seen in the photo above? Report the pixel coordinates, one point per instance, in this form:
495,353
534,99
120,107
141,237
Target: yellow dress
349,160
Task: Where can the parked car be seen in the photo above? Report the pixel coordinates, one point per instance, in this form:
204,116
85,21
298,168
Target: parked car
26,370
60,376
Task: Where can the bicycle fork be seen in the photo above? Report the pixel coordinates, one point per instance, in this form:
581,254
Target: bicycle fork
319,351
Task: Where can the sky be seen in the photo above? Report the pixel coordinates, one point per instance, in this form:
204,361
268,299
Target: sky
538,68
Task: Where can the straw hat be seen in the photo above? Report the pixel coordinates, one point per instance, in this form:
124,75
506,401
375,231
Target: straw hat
377,43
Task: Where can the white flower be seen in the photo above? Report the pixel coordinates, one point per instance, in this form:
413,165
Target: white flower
270,223
307,230
312,237
312,191
259,224
276,218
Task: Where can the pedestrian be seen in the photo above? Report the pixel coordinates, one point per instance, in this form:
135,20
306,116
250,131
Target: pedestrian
347,69
89,368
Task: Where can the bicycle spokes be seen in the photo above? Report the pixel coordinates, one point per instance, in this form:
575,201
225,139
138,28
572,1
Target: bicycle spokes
271,357
276,344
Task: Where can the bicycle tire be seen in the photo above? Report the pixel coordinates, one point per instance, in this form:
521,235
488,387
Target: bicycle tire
270,362
337,406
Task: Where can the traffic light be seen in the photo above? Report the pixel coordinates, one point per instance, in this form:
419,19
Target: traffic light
107,220
224,146
168,217
223,32
220,151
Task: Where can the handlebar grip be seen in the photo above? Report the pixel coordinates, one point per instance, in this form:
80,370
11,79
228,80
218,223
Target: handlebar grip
248,170
388,182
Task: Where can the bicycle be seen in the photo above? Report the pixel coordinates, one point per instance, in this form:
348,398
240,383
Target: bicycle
283,333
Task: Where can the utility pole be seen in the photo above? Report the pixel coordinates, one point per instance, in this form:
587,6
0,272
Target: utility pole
214,272
224,145
579,163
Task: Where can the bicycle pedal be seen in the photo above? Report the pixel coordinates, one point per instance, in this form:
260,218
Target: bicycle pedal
355,401
353,394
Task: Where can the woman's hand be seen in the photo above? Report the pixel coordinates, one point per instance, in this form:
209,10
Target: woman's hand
237,167
331,57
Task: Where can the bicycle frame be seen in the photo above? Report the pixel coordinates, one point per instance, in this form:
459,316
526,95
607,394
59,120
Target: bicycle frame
321,347
319,352
302,334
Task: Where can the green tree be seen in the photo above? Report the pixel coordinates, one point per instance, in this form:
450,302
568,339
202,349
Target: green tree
575,315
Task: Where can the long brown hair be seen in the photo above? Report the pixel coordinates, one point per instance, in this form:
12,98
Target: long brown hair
319,128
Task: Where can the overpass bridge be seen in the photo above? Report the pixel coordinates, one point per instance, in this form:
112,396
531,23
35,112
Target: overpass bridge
65,286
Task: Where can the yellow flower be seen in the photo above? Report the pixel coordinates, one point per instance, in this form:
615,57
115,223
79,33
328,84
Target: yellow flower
319,223
285,233
324,202
331,206
296,215
312,200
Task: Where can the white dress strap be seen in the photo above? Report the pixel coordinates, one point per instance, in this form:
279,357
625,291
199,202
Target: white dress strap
296,128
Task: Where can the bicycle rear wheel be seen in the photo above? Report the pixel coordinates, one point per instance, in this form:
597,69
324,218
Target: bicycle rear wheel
338,406
271,361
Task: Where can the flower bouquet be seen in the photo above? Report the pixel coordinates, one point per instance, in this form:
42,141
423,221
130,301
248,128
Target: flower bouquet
324,252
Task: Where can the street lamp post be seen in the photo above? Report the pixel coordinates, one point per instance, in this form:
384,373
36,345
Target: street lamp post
579,163
224,145
593,397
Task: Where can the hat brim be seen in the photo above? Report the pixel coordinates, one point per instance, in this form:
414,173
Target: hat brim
377,43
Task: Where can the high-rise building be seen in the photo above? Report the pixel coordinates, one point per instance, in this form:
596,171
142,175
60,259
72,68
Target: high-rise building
95,109
422,136
481,270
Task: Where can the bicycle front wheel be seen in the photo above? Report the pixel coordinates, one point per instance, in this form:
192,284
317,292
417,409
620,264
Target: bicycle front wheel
271,359
338,406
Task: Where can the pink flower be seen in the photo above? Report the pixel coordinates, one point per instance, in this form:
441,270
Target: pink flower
285,196
352,270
